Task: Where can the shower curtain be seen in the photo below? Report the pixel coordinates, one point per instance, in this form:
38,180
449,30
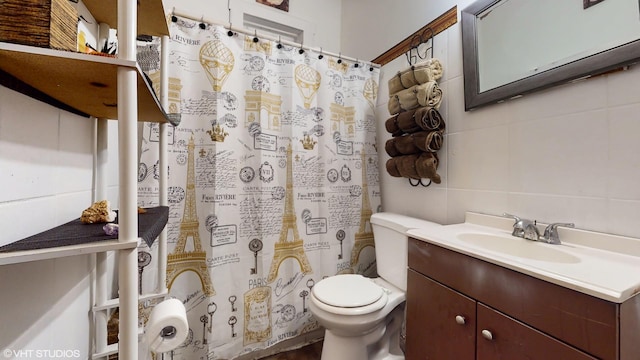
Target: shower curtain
273,176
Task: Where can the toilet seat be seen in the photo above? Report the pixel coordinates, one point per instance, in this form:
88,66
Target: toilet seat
349,294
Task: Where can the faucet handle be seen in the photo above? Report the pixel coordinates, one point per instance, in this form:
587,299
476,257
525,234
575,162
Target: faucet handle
519,226
551,232
514,217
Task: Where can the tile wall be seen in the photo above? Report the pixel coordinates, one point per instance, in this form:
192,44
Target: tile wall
566,154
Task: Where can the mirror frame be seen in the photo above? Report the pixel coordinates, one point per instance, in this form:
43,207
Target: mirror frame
579,69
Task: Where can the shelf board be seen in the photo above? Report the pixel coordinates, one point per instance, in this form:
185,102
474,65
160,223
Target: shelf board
84,82
114,303
75,238
63,251
152,19
111,349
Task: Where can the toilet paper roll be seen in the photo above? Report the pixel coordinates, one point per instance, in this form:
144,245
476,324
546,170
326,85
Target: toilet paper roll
167,327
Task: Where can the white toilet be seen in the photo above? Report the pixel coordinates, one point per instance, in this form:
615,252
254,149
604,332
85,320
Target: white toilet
362,316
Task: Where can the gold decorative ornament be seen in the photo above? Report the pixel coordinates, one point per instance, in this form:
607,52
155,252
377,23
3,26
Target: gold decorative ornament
217,133
308,143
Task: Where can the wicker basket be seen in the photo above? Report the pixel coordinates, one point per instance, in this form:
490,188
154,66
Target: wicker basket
43,23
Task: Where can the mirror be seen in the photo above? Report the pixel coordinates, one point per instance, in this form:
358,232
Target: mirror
514,47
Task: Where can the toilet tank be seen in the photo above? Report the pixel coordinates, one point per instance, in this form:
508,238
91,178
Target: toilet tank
392,243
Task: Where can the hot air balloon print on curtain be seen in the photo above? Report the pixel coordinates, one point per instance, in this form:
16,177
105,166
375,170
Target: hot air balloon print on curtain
308,81
217,61
370,91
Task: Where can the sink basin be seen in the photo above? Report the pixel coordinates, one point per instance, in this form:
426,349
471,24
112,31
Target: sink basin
517,247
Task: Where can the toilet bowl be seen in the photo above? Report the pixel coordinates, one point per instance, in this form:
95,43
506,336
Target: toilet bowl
363,316
358,321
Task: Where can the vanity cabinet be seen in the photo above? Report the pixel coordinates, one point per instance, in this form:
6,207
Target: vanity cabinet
460,307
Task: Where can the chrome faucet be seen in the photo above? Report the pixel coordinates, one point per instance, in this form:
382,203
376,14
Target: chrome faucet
519,226
550,235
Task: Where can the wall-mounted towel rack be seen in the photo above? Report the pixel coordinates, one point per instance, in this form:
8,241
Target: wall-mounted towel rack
420,47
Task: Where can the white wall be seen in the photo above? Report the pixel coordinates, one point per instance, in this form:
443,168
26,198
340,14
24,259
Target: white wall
46,180
569,153
320,20
371,27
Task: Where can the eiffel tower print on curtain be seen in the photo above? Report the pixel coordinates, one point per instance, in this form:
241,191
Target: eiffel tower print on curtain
179,260
285,247
364,236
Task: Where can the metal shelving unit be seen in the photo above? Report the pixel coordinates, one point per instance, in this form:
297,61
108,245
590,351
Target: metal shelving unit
106,88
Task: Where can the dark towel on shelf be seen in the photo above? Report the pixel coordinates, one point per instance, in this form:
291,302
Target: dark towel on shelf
392,169
415,166
429,118
420,119
406,165
390,148
426,167
424,141
401,145
428,141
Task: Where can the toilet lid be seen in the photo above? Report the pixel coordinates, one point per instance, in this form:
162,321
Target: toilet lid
347,291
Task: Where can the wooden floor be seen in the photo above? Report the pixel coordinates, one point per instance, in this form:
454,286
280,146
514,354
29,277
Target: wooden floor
309,352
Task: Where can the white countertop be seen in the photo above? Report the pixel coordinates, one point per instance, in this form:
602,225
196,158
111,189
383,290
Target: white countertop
602,265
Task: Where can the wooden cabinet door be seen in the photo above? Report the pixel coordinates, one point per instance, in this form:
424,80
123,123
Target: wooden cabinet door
510,339
433,332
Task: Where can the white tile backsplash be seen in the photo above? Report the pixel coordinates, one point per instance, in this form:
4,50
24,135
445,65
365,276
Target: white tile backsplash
585,212
460,201
559,155
564,99
459,120
478,159
623,217
454,52
623,172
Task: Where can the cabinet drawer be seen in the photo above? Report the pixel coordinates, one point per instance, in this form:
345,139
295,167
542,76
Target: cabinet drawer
583,321
514,340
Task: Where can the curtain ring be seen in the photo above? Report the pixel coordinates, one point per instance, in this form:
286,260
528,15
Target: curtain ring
279,46
320,56
202,25
255,36
173,17
230,32
340,58
357,64
301,51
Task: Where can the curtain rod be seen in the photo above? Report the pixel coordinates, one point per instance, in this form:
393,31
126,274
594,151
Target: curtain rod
281,41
